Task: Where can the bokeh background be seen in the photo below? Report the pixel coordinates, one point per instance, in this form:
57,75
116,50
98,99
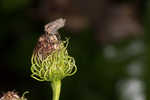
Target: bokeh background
109,41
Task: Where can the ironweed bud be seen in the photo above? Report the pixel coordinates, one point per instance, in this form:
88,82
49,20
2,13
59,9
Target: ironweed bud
11,95
50,59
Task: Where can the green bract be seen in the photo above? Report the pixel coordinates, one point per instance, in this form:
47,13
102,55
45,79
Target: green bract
55,66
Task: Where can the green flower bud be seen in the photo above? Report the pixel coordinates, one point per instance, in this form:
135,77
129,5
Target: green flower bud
50,59
57,65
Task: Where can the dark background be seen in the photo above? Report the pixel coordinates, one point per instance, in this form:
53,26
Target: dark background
109,41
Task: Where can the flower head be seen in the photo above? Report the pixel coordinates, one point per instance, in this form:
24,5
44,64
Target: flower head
11,95
50,59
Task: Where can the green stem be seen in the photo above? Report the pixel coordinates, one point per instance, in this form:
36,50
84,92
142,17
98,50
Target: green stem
56,87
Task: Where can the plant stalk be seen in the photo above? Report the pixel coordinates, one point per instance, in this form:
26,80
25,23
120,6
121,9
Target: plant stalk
56,88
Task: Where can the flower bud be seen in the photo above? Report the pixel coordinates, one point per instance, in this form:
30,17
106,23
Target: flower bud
10,95
50,59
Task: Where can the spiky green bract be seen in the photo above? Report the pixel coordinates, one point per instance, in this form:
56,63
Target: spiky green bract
56,66
23,96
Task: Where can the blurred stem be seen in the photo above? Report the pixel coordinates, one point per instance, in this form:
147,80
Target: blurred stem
56,87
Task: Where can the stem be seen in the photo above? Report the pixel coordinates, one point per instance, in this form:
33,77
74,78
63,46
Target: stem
56,87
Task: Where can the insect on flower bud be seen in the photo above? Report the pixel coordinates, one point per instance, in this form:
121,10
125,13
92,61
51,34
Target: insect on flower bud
50,59
49,41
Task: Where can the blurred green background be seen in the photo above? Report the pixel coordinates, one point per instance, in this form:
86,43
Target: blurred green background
109,41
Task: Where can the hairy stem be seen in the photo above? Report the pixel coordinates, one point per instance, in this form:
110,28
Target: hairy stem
56,87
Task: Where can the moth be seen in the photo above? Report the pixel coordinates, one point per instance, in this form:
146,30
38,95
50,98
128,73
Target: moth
50,40
53,27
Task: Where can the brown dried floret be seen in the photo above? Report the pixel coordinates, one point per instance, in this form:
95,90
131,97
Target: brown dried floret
47,43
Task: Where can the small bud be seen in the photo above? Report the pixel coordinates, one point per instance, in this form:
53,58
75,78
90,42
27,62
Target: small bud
10,95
